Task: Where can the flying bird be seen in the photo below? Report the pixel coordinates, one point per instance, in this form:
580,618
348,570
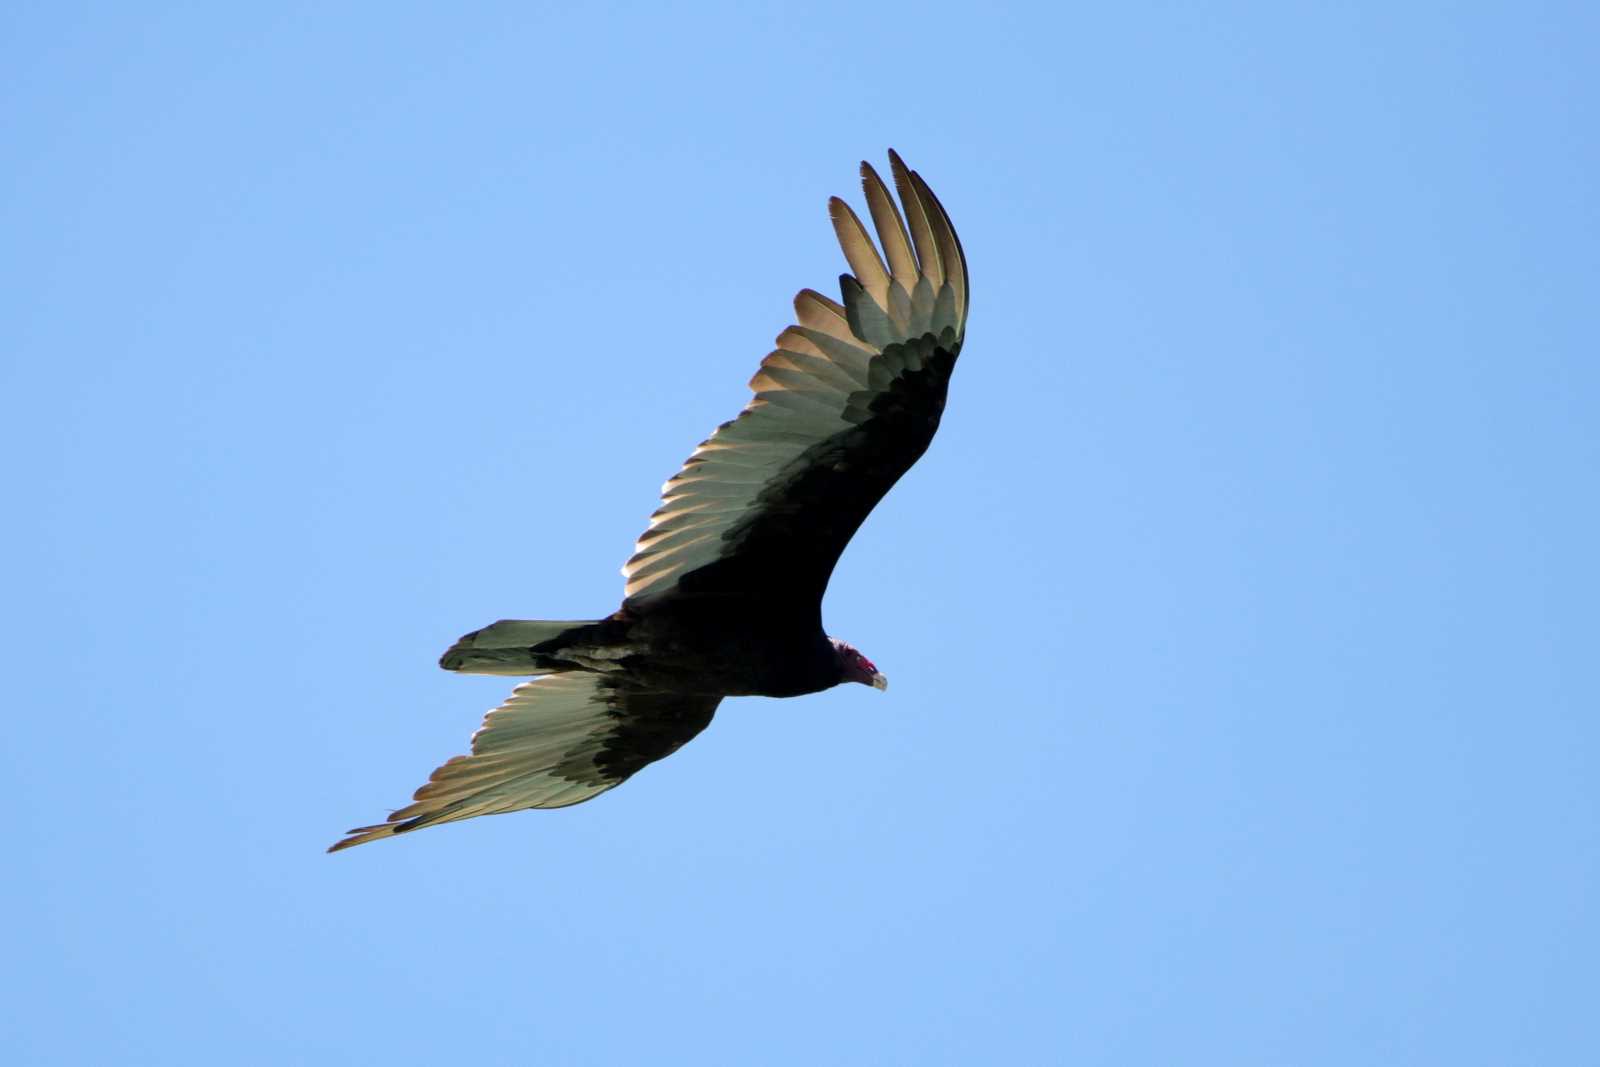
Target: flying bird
724,589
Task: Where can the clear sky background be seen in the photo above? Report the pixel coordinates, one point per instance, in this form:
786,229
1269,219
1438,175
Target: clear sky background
1241,620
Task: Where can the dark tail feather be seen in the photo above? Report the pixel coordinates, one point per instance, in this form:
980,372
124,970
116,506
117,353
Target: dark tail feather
515,647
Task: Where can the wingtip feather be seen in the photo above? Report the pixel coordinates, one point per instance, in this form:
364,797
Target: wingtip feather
859,251
891,227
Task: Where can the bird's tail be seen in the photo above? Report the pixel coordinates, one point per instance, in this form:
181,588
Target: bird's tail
522,646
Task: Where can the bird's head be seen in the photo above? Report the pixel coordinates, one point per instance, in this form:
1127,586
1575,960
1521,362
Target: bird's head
854,667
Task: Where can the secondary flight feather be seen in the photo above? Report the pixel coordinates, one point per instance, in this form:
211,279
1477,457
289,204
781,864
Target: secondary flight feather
723,593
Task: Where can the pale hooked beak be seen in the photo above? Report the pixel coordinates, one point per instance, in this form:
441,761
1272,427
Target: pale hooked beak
880,681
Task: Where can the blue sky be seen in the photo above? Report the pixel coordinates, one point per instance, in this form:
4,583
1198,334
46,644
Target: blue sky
1241,620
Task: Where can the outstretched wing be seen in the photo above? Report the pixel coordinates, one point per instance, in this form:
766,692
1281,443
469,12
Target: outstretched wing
843,407
557,741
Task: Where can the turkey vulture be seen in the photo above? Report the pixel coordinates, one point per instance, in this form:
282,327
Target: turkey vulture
724,589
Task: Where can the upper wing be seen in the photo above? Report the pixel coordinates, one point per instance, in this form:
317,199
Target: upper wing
846,404
556,741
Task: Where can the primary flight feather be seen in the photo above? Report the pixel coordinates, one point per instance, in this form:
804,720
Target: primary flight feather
724,588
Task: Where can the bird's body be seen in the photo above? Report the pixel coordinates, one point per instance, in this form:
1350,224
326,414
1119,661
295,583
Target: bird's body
723,646
724,591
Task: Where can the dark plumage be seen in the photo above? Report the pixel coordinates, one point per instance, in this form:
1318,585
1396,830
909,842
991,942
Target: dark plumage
724,590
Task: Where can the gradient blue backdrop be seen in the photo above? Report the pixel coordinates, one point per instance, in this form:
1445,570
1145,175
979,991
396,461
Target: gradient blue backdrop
1241,620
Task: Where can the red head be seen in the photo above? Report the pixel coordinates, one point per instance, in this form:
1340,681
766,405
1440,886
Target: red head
854,667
